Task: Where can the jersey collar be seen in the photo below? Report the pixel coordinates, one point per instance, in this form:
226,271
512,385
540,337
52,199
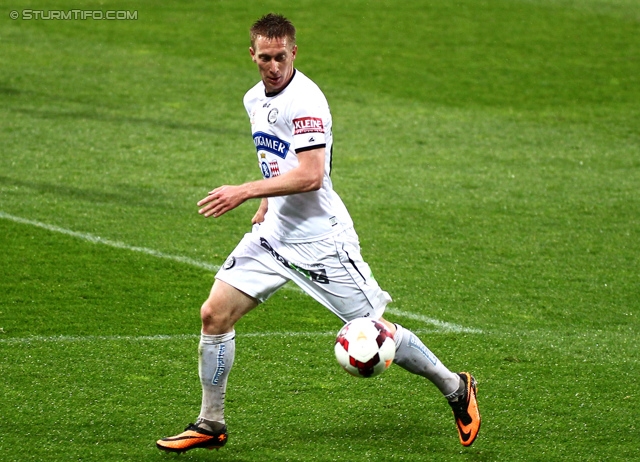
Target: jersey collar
274,93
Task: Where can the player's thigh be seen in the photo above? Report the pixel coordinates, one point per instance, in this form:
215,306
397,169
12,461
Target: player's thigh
347,299
340,279
249,276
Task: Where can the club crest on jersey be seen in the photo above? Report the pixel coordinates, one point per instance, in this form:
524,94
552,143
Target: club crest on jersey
270,169
272,118
307,125
270,143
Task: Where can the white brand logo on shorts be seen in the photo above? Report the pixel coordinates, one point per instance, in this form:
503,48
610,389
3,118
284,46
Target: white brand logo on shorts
231,261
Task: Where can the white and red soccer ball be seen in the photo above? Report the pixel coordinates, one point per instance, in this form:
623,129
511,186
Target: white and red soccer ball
364,347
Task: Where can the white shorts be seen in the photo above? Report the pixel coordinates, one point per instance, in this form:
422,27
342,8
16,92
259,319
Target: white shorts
330,270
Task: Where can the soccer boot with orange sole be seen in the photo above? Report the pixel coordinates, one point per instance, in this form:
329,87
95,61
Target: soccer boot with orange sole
194,436
465,411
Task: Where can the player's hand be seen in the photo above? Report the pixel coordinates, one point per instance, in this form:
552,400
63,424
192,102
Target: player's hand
262,210
221,200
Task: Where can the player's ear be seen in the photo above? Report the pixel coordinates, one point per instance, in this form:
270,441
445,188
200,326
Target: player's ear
294,51
253,54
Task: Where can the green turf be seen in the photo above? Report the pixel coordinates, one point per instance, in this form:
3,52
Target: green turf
489,152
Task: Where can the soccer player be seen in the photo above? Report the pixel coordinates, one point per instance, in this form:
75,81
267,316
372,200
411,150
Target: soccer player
302,232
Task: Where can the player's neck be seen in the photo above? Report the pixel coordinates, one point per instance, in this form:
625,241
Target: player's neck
274,93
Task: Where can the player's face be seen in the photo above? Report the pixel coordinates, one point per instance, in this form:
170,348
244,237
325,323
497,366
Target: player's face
274,58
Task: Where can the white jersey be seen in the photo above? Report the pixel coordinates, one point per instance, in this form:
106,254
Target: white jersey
284,124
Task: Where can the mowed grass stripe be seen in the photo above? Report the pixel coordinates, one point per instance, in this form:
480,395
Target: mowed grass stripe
441,326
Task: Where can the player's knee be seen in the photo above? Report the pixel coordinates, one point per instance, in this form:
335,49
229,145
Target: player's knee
216,319
389,325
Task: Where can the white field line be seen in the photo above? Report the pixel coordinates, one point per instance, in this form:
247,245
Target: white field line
118,245
143,338
440,325
164,338
93,338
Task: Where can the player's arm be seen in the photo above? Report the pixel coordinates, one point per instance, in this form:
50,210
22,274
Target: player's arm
307,176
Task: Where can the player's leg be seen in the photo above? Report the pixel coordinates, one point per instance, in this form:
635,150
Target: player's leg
216,352
459,389
245,280
415,357
350,291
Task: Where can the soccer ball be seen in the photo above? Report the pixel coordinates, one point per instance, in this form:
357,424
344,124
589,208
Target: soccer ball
364,347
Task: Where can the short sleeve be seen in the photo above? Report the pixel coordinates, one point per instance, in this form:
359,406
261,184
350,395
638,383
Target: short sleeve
311,121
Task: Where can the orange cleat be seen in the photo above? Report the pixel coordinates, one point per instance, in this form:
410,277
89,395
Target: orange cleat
465,411
194,437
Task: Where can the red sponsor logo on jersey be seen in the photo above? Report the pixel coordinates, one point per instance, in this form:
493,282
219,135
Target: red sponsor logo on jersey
307,125
275,170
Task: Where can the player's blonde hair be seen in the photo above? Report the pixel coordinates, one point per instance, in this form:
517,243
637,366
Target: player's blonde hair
273,26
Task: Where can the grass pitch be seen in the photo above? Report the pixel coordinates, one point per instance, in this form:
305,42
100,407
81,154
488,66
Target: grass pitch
489,153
